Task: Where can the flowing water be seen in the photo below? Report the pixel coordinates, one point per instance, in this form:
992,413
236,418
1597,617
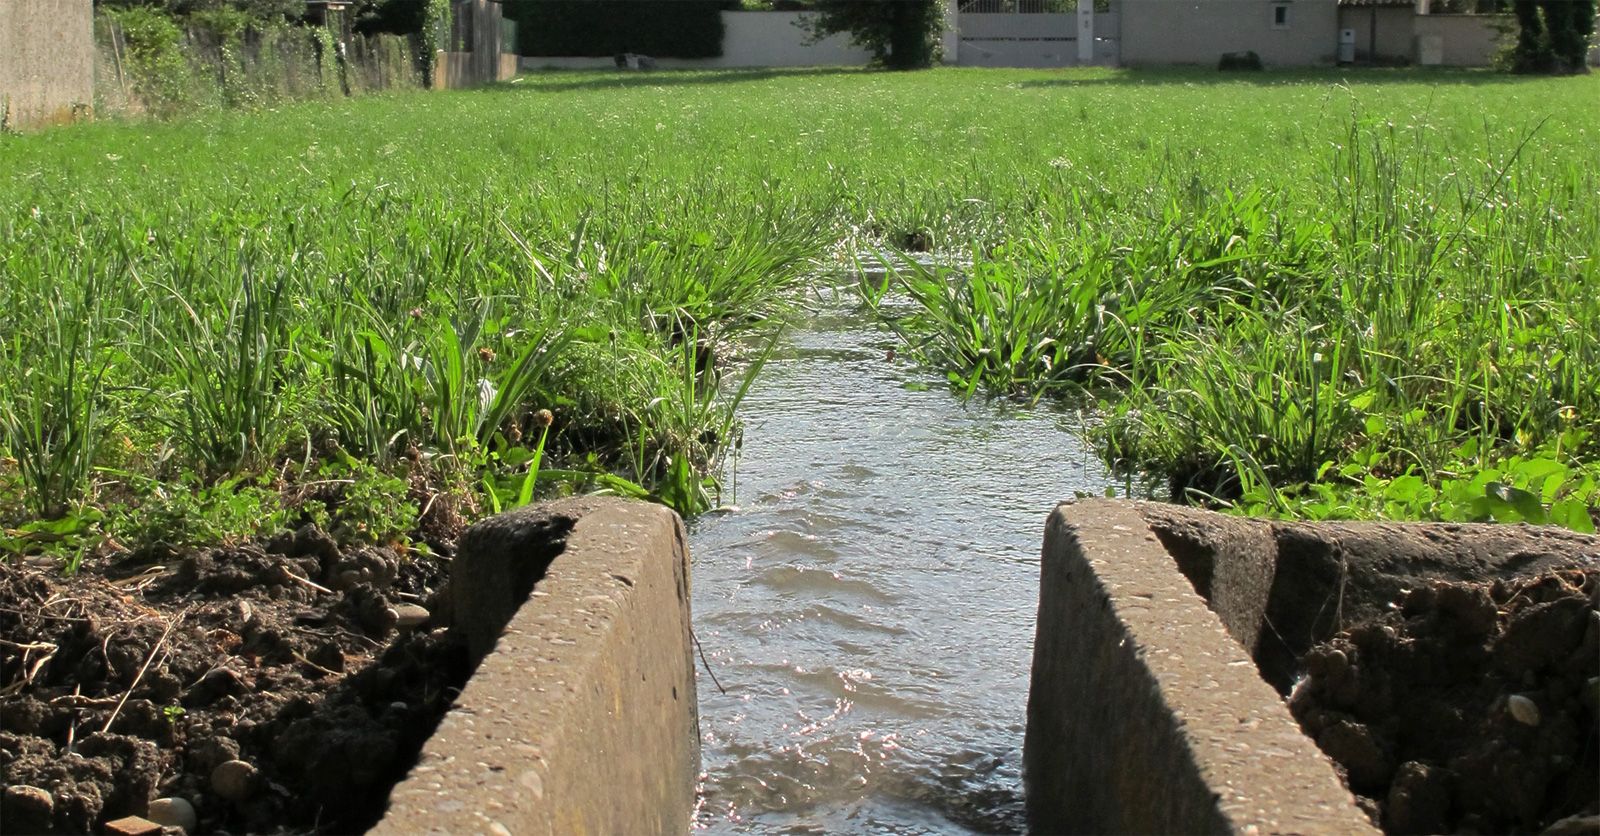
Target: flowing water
869,606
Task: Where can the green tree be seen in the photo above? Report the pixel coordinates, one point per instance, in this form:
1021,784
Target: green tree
264,9
1553,36
902,34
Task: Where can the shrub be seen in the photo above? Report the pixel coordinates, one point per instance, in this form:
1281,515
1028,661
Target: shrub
148,46
1553,36
902,34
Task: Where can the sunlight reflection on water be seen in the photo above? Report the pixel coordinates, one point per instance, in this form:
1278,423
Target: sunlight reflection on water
869,605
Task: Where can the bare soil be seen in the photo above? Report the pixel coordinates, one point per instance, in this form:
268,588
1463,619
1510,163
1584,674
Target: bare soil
295,655
1468,708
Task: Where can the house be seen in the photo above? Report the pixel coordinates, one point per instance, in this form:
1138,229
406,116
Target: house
1135,33
1285,33
46,62
1300,33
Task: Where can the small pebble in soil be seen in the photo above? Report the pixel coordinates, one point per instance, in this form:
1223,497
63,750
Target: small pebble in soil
173,812
27,809
234,780
410,616
1523,710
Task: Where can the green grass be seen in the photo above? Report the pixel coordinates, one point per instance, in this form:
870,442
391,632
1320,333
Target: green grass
1280,288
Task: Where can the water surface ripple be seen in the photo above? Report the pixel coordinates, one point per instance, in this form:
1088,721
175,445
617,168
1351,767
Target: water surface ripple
869,606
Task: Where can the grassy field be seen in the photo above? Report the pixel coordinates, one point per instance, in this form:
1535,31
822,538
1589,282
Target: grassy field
1307,294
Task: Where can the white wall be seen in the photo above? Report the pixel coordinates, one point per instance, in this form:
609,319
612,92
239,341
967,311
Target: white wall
1156,32
750,39
774,39
1468,40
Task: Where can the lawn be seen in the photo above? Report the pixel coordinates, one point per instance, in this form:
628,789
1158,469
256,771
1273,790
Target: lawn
1308,294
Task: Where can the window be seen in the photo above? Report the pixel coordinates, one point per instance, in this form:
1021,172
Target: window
1280,15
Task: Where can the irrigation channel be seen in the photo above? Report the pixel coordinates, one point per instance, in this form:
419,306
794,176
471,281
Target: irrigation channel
869,605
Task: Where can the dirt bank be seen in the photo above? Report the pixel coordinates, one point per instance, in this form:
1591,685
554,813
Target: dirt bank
282,685
1470,707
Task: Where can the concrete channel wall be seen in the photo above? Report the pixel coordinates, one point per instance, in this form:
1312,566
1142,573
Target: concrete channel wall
1144,715
46,61
1166,636
582,716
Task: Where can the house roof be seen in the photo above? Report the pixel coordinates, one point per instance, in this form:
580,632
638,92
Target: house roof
1364,3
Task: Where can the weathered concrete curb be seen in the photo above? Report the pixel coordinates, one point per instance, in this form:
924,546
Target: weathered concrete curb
1144,715
582,716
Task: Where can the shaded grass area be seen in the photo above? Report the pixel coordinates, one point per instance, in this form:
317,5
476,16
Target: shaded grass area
1282,287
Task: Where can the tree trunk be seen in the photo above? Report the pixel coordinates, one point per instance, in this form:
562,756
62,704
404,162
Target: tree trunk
1530,37
903,36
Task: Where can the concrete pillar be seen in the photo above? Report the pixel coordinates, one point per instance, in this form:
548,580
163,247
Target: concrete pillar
1085,31
46,61
950,38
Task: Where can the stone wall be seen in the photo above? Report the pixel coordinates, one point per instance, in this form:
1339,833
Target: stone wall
46,61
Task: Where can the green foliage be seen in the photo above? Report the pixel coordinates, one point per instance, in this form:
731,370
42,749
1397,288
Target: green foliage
230,381
262,10
193,514
1539,489
51,420
1391,287
660,28
327,59
364,505
1553,36
901,34
435,36
150,45
149,61
516,476
1249,341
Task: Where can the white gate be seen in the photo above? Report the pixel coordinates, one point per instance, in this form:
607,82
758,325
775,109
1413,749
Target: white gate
1030,33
